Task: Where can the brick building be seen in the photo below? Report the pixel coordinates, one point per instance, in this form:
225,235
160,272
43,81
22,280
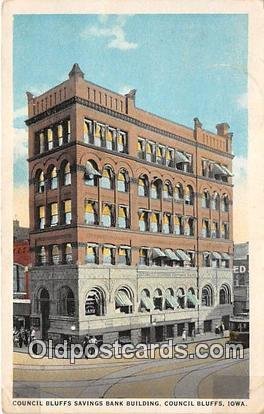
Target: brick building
21,262
130,217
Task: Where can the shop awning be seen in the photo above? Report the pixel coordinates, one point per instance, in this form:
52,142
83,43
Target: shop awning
206,254
157,253
147,302
91,171
217,169
122,299
180,157
225,256
182,255
216,255
170,254
192,298
226,170
125,247
172,301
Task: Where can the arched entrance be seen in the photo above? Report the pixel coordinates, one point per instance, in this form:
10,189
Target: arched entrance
44,307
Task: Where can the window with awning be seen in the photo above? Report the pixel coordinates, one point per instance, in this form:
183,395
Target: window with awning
106,179
68,253
60,134
108,254
67,174
68,130
122,182
54,214
89,213
170,300
154,218
106,216
166,224
157,299
192,298
177,225
124,254
181,157
216,257
87,130
91,174
121,141
91,253
41,183
41,212
53,179
143,221
55,252
149,152
50,138
182,255
170,254
123,301
67,212
178,192
146,302
169,157
122,217
157,253
143,256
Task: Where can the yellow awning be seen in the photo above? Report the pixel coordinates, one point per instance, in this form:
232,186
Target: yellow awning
89,250
141,182
140,146
97,131
121,177
122,252
109,135
158,152
106,251
68,248
106,211
106,173
168,155
54,209
120,139
67,206
165,219
153,218
54,172
41,212
148,149
67,168
121,212
89,208
176,220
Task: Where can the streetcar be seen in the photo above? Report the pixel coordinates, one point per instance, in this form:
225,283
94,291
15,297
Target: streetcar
239,329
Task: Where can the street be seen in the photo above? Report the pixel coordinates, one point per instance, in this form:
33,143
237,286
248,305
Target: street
158,378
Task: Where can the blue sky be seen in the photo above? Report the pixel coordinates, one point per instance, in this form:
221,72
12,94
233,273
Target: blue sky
182,66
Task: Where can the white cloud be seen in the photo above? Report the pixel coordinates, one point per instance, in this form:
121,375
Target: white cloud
114,33
240,200
239,169
242,101
125,89
20,143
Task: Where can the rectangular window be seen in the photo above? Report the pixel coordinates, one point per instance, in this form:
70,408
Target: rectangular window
141,148
50,138
122,142
124,256
91,254
60,134
88,131
122,217
143,257
41,142
67,212
54,214
41,214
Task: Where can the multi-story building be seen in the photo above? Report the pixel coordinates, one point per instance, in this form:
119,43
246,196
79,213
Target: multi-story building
21,262
130,217
241,278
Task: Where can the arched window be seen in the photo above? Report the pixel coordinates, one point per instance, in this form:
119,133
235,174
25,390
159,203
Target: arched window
55,253
224,295
122,181
95,302
143,221
205,228
167,191
178,194
66,302
154,220
106,219
107,179
191,298
124,255
215,201
166,224
170,301
180,297
189,227
214,230
122,217
177,225
225,203
68,253
143,186
67,174
53,179
207,259
157,299
206,199
224,231
207,296
40,182
50,138
91,173
155,189
188,196
124,300
91,255
145,301
89,213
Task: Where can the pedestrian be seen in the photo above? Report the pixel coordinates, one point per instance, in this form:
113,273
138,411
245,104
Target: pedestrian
32,335
25,337
20,339
222,329
217,330
184,335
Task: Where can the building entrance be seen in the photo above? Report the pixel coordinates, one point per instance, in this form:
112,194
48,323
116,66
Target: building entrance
44,311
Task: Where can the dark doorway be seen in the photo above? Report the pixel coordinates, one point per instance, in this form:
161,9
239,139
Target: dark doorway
225,320
159,333
191,328
208,326
44,310
180,328
145,335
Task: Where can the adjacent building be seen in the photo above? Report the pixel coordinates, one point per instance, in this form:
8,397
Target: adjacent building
21,262
130,218
241,278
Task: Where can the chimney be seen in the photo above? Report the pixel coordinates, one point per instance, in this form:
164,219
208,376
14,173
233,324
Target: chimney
76,71
130,100
222,129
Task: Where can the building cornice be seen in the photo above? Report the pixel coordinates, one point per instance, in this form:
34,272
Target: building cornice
77,100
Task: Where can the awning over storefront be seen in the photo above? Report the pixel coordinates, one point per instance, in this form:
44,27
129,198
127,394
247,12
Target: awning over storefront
217,169
122,299
225,256
180,157
192,298
91,171
170,254
182,255
216,255
157,253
